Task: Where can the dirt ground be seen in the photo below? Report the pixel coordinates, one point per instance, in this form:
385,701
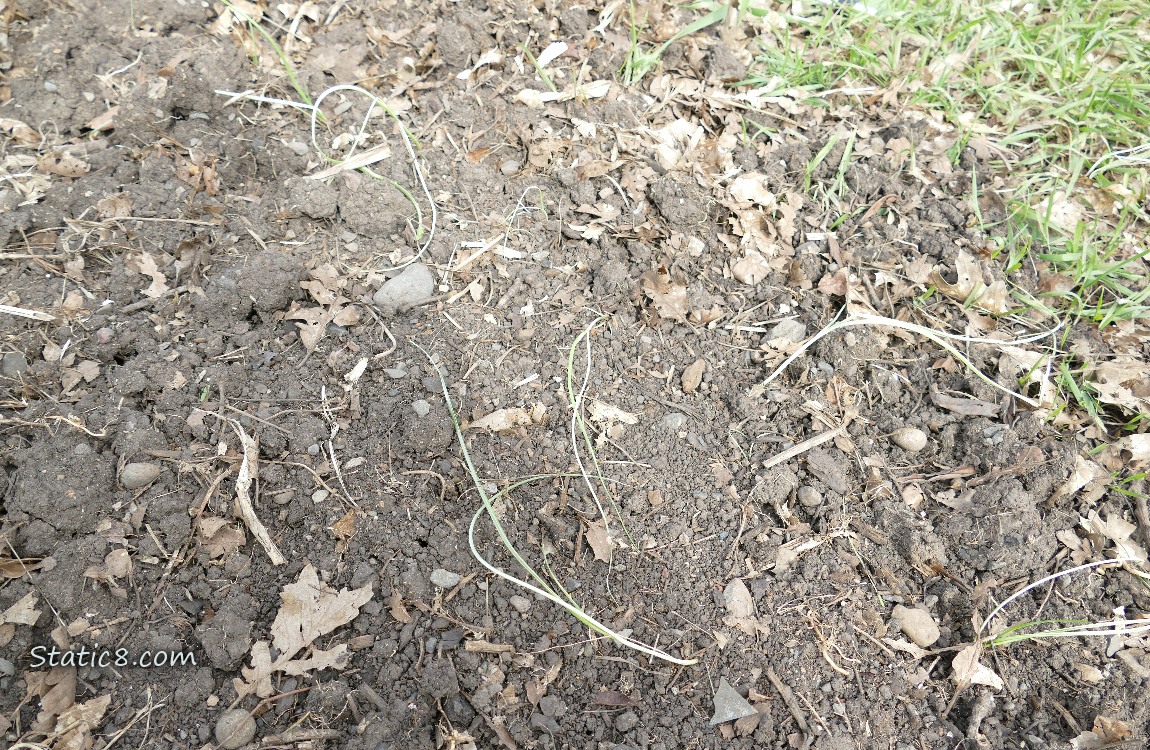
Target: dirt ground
202,291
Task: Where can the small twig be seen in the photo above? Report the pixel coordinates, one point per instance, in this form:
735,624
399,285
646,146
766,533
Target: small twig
789,699
805,446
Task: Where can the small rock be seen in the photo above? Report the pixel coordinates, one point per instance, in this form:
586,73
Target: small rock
809,496
909,438
627,721
510,167
414,285
137,475
395,373
521,603
729,705
674,421
234,729
445,579
319,496
693,375
421,407
13,365
545,724
789,329
917,625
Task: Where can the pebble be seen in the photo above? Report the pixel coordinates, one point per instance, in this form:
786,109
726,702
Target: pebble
414,285
234,729
137,475
521,603
674,421
789,329
510,167
13,365
421,407
917,625
729,705
810,497
909,438
445,579
395,373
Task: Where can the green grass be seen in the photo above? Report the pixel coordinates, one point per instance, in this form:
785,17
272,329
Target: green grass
642,59
1032,630
1064,87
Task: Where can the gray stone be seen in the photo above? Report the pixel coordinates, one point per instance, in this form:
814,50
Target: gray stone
137,475
445,579
809,496
234,729
13,365
917,625
421,407
413,285
729,705
789,329
521,603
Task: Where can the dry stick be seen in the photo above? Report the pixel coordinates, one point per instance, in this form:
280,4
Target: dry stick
805,446
789,700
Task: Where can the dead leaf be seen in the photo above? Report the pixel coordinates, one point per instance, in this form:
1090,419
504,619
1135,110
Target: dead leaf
19,132
1087,474
63,164
1123,383
23,612
969,671
1118,530
218,537
600,540
751,189
667,292
397,610
76,725
751,268
146,265
309,609
969,287
502,420
968,407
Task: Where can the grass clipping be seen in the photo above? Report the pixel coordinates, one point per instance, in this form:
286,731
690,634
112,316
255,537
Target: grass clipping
552,590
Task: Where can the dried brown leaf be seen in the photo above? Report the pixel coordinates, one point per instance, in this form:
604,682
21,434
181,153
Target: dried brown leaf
600,540
23,612
667,292
63,164
219,537
396,608
309,609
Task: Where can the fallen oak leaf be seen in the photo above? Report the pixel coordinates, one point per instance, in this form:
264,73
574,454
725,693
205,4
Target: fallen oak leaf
309,609
667,292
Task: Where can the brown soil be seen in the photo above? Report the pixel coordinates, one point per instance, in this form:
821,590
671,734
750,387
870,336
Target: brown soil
215,196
